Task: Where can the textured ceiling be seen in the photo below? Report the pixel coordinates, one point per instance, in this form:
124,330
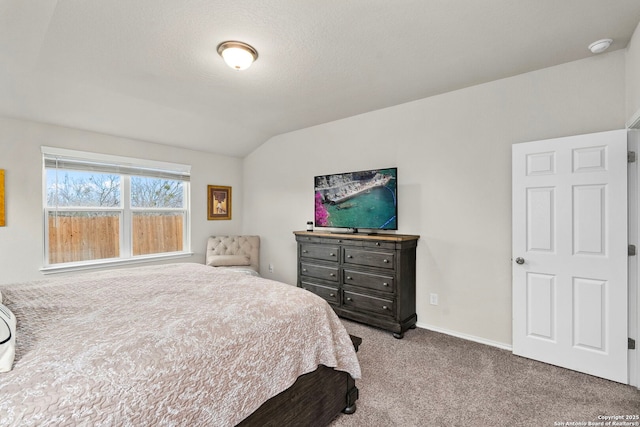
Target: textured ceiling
148,69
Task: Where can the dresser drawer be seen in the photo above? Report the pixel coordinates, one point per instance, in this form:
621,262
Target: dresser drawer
319,271
369,280
328,293
323,252
377,244
318,240
369,258
368,303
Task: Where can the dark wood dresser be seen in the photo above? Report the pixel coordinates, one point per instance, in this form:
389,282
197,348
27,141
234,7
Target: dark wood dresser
366,278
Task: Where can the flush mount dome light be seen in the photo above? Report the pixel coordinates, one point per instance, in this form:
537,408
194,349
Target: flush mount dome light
600,45
237,55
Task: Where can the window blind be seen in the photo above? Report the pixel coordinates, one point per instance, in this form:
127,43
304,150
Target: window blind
67,160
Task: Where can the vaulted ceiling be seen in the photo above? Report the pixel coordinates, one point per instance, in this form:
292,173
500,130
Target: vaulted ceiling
148,69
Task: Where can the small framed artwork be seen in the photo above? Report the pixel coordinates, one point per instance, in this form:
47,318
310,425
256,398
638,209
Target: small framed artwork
218,202
2,220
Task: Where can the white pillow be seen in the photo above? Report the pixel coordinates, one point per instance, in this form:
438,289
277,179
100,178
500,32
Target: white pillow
7,338
227,260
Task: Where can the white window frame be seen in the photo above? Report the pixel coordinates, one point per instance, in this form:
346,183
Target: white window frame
125,167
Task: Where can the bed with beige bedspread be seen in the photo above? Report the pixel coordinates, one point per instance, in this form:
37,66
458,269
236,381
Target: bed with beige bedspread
177,344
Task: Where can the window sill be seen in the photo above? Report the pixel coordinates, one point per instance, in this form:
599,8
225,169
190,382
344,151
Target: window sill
69,267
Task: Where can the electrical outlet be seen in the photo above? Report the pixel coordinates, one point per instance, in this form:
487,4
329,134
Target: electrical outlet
270,268
433,299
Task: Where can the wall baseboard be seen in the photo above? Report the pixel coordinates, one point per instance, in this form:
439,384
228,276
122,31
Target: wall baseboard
465,336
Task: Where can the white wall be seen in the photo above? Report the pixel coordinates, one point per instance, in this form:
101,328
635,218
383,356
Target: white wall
453,152
633,76
21,239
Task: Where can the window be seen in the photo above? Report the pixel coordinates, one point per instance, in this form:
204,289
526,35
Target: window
100,209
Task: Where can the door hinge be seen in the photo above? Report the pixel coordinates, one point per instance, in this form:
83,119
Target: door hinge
631,156
632,250
632,344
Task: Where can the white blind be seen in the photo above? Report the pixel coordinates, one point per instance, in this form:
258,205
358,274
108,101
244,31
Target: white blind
57,158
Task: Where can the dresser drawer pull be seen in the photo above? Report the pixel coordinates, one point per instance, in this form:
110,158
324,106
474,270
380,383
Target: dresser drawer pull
332,274
377,243
349,278
386,261
349,299
332,295
385,284
384,307
304,251
304,270
332,254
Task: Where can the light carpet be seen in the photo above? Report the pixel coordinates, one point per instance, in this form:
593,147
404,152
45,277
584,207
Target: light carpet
433,379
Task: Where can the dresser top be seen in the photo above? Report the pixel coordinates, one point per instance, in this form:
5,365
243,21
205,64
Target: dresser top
360,236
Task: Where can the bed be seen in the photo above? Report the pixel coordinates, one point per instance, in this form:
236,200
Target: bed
177,344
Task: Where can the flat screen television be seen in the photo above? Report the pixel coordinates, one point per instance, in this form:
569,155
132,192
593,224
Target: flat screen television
357,200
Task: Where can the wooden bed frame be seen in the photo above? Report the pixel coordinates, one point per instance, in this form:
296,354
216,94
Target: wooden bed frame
315,399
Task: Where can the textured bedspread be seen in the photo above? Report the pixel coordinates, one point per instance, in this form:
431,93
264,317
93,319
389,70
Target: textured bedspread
179,344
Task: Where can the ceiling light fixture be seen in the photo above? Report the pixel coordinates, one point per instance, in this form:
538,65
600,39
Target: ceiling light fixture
237,55
600,45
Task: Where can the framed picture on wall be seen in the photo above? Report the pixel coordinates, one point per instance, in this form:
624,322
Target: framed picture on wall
218,202
2,220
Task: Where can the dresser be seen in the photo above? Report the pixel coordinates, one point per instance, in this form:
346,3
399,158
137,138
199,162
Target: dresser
366,278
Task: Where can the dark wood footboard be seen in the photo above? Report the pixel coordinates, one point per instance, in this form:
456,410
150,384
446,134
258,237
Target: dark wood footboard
314,399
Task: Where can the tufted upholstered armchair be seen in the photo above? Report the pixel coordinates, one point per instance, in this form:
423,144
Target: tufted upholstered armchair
240,253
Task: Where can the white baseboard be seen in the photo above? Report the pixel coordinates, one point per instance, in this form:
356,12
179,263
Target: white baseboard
465,336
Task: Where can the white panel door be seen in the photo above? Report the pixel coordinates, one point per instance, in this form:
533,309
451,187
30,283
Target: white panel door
570,253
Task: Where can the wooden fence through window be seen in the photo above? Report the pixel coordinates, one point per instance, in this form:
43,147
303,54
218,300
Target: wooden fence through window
74,238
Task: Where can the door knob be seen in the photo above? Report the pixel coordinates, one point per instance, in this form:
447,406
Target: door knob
519,260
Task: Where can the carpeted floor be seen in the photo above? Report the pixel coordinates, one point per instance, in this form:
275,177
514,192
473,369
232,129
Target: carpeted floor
431,379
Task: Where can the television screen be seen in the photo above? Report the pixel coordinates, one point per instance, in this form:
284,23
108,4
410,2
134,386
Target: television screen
363,199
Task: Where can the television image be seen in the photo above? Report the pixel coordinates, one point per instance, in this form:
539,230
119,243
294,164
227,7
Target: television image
357,200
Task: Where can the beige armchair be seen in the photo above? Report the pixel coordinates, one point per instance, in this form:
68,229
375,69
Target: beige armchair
239,253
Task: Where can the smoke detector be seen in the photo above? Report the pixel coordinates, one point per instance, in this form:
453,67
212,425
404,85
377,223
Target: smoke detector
600,45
